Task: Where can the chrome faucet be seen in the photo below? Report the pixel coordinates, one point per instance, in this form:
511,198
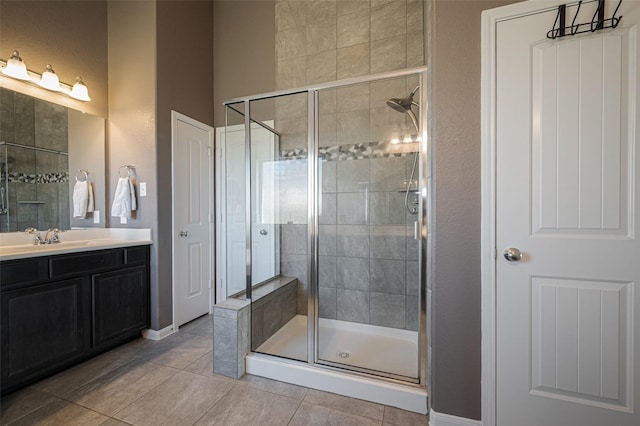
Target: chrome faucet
38,239
52,236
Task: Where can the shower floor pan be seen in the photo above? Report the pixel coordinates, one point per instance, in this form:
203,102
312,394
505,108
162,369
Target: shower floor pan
367,346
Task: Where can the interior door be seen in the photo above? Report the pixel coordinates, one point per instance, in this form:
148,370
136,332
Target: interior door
192,227
567,227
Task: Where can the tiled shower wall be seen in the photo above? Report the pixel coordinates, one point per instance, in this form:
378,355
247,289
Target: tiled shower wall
368,270
35,182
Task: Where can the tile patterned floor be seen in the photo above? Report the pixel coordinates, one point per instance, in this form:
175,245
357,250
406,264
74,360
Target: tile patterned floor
171,382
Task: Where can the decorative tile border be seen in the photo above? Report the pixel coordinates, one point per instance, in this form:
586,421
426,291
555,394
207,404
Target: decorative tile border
358,151
55,177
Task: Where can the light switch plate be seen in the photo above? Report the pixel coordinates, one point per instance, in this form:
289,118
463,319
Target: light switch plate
143,189
96,216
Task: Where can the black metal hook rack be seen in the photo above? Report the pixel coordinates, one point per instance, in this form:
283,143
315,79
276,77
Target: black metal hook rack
598,22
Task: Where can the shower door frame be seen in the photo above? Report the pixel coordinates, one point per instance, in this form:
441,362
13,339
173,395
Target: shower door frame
424,216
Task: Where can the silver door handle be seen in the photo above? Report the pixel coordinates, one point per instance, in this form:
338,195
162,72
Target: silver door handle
263,232
512,254
184,233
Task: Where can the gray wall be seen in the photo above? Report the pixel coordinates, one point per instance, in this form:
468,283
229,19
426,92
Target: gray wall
132,132
70,35
185,84
170,71
244,51
456,182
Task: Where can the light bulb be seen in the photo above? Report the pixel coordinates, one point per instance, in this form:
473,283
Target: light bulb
16,68
49,80
80,91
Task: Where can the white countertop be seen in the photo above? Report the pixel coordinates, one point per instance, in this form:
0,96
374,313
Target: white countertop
19,245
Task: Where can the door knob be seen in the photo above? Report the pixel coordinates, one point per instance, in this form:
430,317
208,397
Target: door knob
184,233
263,232
512,254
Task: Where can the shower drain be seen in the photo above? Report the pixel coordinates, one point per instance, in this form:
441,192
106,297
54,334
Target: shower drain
344,355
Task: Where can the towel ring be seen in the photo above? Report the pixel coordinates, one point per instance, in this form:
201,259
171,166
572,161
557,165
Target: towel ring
82,173
127,169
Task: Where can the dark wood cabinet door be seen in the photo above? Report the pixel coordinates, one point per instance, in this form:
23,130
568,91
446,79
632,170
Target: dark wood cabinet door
120,305
44,328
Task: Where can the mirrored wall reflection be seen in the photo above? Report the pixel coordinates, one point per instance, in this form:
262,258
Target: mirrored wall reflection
34,163
40,143
34,190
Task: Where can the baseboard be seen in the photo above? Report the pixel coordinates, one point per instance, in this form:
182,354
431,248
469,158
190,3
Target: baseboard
159,334
437,419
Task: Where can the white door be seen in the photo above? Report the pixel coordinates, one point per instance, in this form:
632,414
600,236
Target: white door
567,196
231,201
192,223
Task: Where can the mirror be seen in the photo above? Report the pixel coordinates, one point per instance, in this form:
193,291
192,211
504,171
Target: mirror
45,149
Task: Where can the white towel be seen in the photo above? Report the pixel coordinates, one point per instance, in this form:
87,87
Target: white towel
82,199
124,200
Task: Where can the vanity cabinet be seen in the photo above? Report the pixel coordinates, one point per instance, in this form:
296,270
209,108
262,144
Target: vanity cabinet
59,310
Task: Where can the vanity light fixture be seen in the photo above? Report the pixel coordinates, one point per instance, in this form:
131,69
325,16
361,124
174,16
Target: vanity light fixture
14,67
80,91
50,80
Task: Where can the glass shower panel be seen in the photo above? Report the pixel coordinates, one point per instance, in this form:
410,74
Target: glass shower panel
279,193
367,205
234,199
265,143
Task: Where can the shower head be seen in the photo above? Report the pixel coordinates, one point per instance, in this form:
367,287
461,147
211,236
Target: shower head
400,104
404,105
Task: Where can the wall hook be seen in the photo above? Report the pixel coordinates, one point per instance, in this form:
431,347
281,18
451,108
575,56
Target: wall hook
598,21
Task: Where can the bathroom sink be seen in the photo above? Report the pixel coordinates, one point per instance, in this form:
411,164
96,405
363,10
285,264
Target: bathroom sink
30,250
19,245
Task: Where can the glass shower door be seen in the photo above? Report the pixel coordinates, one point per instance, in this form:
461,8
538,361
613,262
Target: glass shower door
368,205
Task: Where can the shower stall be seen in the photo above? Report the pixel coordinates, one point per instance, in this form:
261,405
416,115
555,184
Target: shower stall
323,199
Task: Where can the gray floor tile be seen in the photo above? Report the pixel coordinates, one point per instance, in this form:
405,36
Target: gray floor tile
345,404
202,366
201,326
247,406
274,386
114,422
180,400
396,416
135,347
171,381
114,391
180,351
21,403
60,412
309,414
68,380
